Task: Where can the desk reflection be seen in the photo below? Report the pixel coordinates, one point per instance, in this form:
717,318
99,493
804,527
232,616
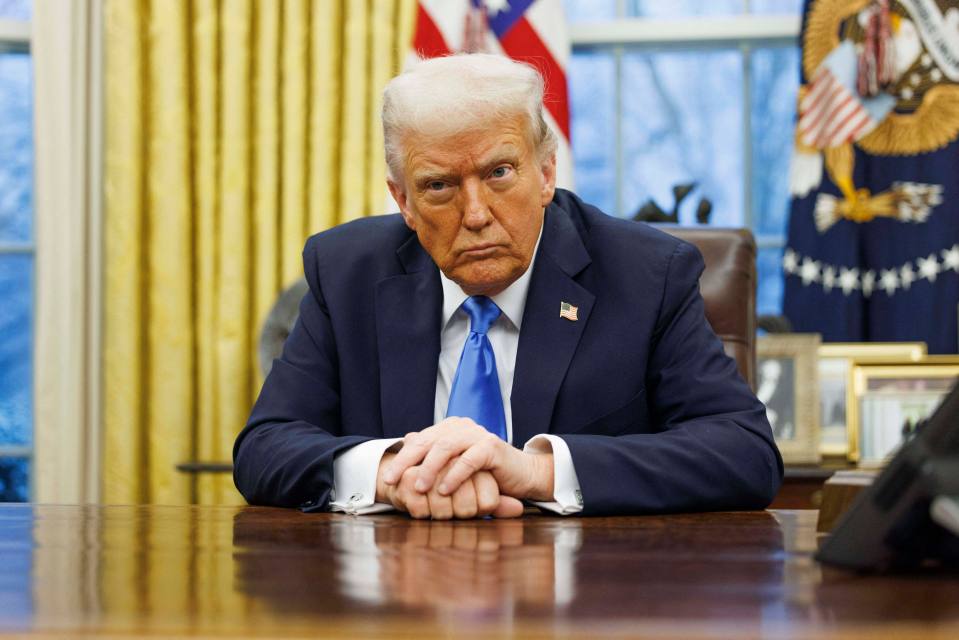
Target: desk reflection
249,571
500,569
471,567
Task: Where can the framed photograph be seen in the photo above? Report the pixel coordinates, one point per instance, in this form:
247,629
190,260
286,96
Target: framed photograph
889,399
835,366
788,384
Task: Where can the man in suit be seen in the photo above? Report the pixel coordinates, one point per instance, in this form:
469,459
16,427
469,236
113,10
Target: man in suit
498,312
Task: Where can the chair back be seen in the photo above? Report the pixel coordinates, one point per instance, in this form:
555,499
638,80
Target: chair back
728,287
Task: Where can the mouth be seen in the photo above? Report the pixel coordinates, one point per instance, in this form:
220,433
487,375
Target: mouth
480,251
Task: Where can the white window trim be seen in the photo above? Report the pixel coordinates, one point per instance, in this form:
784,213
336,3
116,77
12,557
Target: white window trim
745,31
66,50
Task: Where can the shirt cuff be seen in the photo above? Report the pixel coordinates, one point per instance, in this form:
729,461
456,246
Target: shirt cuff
567,497
354,478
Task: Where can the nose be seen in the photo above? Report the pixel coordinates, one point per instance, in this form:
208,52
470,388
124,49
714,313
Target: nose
476,213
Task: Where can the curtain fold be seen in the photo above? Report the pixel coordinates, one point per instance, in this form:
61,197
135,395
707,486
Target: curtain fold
234,130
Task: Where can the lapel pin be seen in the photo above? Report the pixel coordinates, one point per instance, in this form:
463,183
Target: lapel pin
568,311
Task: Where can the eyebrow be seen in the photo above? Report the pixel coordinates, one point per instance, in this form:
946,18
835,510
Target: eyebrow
508,153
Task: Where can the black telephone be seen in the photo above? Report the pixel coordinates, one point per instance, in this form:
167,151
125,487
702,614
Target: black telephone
909,516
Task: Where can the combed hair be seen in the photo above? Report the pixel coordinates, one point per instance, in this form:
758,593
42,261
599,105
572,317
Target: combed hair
452,94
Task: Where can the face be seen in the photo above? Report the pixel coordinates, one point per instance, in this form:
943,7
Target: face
476,202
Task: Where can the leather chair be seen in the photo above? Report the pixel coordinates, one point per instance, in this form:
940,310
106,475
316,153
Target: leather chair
728,287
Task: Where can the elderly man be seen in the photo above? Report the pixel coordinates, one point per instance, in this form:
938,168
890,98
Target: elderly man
498,312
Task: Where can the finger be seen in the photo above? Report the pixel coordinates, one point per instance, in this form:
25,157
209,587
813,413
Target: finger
415,447
416,504
464,501
478,457
408,499
487,493
441,507
509,507
438,457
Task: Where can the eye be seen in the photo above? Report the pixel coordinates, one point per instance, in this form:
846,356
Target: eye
435,185
501,171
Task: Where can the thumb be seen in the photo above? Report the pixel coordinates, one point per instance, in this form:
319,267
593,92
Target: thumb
509,507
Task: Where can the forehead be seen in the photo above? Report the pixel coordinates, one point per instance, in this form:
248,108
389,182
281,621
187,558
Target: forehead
471,148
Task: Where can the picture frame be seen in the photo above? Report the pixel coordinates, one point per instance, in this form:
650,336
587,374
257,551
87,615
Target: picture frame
788,384
835,367
886,395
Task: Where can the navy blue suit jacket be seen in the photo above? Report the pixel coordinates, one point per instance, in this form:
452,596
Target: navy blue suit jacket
654,412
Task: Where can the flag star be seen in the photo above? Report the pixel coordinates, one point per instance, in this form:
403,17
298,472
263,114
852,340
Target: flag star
848,280
868,282
809,271
889,280
790,261
907,275
494,7
928,267
828,278
950,258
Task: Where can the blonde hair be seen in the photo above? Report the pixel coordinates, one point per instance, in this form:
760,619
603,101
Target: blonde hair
448,95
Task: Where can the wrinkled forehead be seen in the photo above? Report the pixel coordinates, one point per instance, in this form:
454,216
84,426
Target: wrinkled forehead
490,140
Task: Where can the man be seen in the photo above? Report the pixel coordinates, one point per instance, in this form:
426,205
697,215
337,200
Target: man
498,312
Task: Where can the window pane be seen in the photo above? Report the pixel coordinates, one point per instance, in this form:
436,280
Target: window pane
781,7
16,148
588,10
13,480
15,9
16,337
769,292
775,81
682,123
683,8
592,76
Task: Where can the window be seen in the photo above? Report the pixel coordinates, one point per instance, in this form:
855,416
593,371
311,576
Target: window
16,251
689,91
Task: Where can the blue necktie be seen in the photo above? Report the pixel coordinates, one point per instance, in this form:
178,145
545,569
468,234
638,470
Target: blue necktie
476,393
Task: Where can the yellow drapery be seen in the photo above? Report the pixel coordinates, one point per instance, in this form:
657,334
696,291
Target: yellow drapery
233,130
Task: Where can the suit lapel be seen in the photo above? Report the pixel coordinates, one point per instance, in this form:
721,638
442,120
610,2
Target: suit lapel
547,341
408,314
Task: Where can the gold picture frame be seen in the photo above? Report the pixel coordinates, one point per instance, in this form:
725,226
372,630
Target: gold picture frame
836,359
885,395
788,384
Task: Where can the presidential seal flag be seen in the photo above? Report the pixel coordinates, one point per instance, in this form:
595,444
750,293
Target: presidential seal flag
872,252
532,31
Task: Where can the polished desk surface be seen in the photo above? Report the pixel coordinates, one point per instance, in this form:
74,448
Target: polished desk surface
245,571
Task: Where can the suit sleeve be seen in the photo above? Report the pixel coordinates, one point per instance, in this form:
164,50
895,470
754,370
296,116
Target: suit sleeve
712,448
284,456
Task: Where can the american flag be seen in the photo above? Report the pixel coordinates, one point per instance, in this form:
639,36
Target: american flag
533,31
568,311
833,113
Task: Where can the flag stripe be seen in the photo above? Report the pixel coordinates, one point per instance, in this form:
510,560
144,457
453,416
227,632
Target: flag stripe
522,42
428,42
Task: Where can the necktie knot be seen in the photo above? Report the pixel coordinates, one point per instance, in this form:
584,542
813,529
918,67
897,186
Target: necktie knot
482,311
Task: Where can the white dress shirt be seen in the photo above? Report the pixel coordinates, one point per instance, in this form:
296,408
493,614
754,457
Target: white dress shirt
354,470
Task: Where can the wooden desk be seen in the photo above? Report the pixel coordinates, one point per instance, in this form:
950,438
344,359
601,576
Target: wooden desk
224,571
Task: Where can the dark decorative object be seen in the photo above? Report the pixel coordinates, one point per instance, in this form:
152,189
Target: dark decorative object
279,323
651,212
774,324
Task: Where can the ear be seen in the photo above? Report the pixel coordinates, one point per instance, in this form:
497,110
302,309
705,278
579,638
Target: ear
549,180
399,195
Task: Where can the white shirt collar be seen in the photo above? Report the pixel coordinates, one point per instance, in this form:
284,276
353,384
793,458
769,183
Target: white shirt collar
511,300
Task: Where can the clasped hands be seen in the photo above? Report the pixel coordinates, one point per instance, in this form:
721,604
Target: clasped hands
458,469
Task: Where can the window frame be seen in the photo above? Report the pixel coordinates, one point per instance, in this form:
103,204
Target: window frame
746,32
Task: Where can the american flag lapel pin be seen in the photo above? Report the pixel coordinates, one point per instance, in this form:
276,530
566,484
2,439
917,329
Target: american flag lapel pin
568,311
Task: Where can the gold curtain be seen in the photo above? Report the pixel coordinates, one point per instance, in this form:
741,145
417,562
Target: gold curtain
234,130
